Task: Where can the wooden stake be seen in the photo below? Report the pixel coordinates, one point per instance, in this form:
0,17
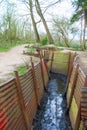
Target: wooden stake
52,59
35,83
46,68
69,60
73,86
21,101
70,67
42,71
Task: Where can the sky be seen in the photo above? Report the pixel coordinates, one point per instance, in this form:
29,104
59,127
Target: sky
62,9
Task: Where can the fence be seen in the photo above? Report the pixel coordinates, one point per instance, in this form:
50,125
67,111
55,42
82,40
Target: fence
76,97
76,86
20,97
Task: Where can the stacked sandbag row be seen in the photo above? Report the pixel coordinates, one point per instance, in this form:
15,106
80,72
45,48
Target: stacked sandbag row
76,97
20,97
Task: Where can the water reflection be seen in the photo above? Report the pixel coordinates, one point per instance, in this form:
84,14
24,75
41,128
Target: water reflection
51,116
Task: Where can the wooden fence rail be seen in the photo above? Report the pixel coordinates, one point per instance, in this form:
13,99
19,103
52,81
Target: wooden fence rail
76,97
20,97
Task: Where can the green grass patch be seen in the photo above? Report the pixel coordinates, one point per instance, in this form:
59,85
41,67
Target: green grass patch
31,49
6,45
4,49
22,69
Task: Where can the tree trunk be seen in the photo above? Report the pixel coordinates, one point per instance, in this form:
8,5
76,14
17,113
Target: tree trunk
84,31
39,11
33,22
81,43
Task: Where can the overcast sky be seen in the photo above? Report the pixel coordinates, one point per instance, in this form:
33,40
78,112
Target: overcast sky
62,9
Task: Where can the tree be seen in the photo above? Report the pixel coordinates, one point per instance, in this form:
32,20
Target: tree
63,29
39,11
80,13
33,21
30,4
9,24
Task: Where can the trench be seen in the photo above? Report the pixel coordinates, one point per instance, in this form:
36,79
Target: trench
52,113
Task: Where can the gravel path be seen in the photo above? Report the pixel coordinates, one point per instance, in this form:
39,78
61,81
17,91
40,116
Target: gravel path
11,59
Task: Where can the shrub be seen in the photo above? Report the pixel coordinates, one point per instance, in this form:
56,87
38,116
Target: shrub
44,40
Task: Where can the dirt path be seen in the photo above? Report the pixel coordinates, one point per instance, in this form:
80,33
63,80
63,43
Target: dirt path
14,57
11,59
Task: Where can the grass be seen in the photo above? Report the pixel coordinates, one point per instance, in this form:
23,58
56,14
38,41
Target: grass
6,45
31,49
73,46
22,69
4,49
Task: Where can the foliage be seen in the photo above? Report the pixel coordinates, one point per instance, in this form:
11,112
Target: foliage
80,6
76,47
44,40
63,30
6,45
31,49
80,13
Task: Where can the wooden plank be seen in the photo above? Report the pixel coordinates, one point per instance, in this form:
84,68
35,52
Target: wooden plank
35,83
21,100
73,87
77,124
69,72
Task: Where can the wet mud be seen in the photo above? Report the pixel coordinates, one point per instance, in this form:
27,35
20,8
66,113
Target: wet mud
52,113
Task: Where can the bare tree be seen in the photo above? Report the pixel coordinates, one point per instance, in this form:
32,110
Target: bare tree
33,21
29,5
39,11
64,30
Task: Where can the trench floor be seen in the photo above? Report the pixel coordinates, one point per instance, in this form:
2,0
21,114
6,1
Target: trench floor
51,115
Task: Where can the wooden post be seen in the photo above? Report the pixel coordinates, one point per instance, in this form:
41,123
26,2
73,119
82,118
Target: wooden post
42,71
69,60
70,67
77,124
35,83
73,86
21,101
46,68
43,61
52,59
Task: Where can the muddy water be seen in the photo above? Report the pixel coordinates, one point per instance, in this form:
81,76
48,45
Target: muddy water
51,115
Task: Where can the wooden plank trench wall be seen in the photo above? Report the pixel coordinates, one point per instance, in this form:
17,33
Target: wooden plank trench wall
76,86
20,96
